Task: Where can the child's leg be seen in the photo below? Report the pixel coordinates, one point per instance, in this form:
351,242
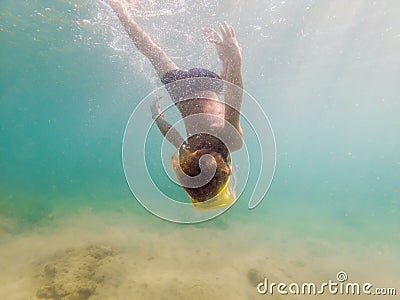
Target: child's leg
159,59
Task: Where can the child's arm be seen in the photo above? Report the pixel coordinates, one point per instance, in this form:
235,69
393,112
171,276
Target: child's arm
230,54
170,133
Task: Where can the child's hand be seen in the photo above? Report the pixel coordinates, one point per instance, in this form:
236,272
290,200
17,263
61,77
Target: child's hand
227,46
155,108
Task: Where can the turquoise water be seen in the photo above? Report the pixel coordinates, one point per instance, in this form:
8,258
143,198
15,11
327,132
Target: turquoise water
325,72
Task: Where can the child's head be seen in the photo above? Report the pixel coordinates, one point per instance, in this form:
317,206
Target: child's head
217,187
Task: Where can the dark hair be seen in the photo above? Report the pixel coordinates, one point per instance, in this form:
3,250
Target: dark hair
189,163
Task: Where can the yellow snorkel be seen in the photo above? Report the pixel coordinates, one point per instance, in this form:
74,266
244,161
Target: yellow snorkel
224,198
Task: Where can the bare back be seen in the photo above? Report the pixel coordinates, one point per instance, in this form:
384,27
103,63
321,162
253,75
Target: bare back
210,112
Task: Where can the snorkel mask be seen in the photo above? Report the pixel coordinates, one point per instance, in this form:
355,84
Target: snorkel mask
223,198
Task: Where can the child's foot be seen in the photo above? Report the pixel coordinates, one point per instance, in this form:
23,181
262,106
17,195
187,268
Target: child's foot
118,7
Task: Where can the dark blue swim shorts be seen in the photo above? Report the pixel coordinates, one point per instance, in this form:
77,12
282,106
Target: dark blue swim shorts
196,79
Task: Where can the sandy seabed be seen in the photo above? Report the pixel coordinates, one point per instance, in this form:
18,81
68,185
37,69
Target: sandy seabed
105,256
